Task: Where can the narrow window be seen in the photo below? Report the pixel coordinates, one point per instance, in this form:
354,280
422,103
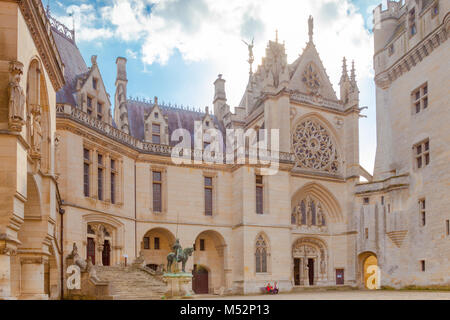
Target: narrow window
89,105
94,83
259,195
156,133
366,200
412,22
382,200
366,233
447,226
156,244
157,187
100,177
261,255
113,181
422,212
422,265
208,196
146,243
99,111
156,115
202,244
87,164
422,154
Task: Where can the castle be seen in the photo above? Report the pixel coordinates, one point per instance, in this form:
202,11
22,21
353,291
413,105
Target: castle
75,172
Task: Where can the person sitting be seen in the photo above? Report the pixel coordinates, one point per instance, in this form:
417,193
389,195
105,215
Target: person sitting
269,288
275,289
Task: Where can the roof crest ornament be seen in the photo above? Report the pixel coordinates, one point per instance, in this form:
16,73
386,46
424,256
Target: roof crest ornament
311,28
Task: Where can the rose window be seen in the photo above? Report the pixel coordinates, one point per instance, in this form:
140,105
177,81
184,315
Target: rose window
311,78
314,148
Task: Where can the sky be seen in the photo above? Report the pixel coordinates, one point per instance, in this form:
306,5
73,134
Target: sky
176,48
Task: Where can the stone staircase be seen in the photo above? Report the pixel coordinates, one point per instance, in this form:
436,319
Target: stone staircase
131,283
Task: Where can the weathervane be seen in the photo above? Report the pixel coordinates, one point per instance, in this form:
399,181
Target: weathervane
251,57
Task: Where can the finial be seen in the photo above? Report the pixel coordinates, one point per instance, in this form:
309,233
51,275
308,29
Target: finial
311,28
48,8
344,65
276,35
156,100
353,75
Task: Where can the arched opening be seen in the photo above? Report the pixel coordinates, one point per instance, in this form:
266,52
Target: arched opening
310,261
209,253
99,241
155,246
262,254
369,270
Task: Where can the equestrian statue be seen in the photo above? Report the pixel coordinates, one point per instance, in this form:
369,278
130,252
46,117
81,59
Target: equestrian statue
178,255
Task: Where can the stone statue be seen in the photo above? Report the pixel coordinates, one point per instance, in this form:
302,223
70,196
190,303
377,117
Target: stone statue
311,28
251,57
91,269
16,97
77,260
36,133
322,266
178,255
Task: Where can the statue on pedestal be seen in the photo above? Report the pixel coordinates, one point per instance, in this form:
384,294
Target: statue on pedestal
16,97
178,255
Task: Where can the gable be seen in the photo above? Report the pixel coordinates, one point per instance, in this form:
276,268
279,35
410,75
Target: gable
309,66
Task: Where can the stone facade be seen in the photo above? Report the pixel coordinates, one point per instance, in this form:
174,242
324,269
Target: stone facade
124,196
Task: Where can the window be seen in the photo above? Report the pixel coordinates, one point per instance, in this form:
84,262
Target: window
157,194
366,200
259,195
422,265
89,105
420,98
412,22
156,115
435,10
202,244
113,181
422,212
422,154
382,200
447,227
208,196
94,83
146,243
261,255
156,244
100,177
156,133
86,169
366,233
99,111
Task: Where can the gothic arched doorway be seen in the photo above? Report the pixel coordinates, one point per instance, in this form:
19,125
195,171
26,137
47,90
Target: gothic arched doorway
369,270
310,262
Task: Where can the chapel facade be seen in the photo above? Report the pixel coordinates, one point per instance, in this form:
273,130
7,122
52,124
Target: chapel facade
78,173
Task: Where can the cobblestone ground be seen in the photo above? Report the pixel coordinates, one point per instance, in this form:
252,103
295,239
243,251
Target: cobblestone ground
345,295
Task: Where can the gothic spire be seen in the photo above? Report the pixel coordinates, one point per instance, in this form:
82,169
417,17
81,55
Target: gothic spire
353,74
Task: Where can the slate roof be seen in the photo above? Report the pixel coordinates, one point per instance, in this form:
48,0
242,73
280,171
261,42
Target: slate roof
74,66
176,117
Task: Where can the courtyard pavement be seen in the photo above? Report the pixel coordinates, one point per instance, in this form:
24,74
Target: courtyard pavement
343,295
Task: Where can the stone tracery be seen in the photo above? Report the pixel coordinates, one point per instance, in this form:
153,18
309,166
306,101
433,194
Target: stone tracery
311,78
314,147
309,212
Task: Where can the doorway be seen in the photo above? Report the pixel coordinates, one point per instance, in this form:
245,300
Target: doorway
91,249
200,284
297,268
106,254
311,271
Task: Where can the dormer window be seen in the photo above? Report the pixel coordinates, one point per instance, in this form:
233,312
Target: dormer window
94,83
156,115
156,133
207,123
99,111
89,105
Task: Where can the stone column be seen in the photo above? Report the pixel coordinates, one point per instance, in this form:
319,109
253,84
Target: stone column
32,277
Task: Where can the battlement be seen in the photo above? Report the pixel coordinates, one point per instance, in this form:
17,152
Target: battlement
393,11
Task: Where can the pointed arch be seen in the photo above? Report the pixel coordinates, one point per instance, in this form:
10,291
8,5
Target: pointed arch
331,207
262,253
